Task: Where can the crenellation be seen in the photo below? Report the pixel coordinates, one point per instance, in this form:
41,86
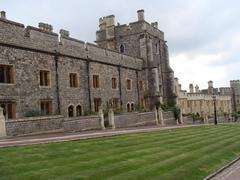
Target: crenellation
3,15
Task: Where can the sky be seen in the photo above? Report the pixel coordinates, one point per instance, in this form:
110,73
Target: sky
203,35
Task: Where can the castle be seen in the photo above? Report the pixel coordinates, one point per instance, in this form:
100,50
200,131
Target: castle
202,101
47,74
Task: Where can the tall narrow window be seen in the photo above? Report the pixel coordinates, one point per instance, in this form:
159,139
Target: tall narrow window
128,107
79,110
95,81
115,103
97,104
6,74
141,85
9,109
122,48
157,48
129,84
44,78
70,111
114,83
73,80
46,108
132,107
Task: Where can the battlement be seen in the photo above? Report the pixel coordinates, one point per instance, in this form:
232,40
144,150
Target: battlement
43,38
137,27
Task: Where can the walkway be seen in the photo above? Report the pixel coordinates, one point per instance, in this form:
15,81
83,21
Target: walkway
62,137
229,172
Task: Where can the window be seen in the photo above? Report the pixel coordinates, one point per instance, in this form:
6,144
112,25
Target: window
46,108
129,84
95,81
157,48
44,78
122,48
73,80
9,109
79,110
97,104
128,107
141,85
114,83
143,103
132,107
70,111
6,74
115,103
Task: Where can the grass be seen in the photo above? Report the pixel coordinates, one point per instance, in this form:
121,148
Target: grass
188,153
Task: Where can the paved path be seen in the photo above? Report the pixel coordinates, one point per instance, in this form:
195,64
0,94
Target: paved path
232,172
62,137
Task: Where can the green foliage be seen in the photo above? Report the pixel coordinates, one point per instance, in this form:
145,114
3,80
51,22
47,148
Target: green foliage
33,113
196,116
90,113
176,110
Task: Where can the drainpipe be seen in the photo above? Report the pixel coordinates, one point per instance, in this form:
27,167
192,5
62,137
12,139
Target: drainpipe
89,86
138,92
56,58
120,85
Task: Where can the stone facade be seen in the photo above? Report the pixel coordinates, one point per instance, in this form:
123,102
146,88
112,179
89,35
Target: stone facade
202,101
235,85
31,56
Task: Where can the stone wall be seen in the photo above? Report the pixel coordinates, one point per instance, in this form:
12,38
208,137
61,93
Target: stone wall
135,119
81,124
169,118
34,125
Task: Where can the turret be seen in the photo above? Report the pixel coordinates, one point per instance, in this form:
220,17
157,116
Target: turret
141,15
3,14
191,88
210,87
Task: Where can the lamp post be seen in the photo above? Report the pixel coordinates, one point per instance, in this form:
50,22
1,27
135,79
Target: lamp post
215,110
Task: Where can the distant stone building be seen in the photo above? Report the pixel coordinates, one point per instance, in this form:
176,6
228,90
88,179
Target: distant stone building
202,102
42,73
235,85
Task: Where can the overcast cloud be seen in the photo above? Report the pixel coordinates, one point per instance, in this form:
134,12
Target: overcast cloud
203,35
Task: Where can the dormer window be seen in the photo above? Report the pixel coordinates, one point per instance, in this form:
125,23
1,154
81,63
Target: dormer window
122,48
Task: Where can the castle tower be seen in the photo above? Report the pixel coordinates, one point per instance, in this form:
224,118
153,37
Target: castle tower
210,87
146,41
191,90
197,89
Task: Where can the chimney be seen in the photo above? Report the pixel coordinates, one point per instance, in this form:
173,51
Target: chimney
64,33
191,88
3,14
154,24
141,15
197,89
45,27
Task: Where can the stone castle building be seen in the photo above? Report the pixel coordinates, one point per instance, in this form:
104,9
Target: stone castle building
235,85
202,101
44,73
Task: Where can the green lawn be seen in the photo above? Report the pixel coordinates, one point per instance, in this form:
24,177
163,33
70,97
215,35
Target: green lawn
189,153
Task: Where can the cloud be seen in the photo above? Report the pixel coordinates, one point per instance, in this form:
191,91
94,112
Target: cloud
203,36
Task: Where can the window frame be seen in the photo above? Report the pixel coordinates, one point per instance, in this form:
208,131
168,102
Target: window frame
5,75
114,83
46,111
129,89
49,78
96,82
75,80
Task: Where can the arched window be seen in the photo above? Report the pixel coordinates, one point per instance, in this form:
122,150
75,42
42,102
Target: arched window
132,107
128,107
122,48
79,110
70,111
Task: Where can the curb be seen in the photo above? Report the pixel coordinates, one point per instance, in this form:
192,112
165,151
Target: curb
222,169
